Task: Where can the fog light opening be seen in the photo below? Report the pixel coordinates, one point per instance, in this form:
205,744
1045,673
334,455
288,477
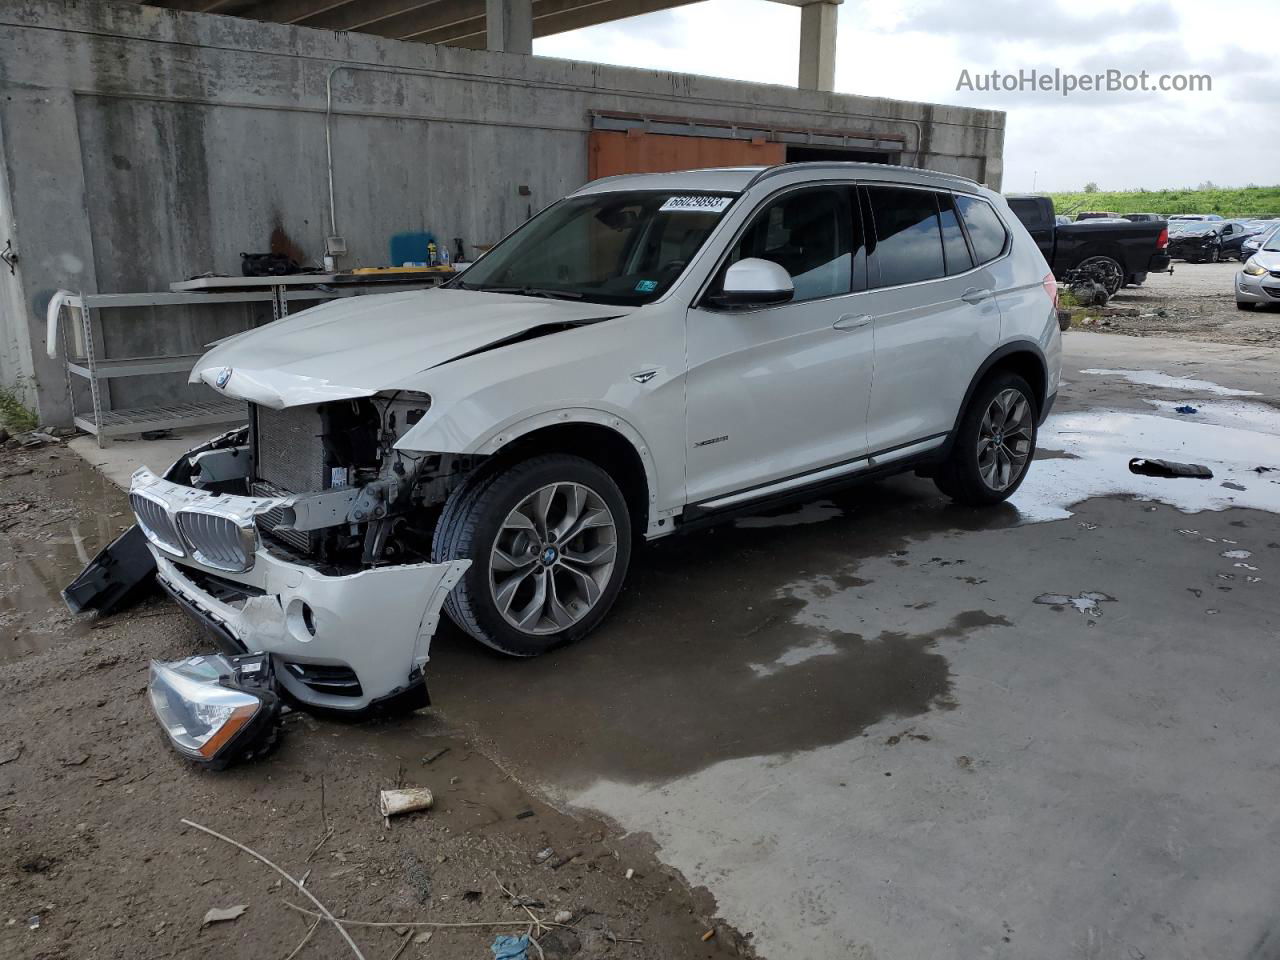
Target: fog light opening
301,620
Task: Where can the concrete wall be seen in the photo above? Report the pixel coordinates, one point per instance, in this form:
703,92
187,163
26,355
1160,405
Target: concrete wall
140,146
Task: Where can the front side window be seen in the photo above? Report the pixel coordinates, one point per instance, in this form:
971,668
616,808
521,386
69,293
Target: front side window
908,235
986,232
809,233
624,248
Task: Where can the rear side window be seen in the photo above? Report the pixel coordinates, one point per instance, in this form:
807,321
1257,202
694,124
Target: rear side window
953,245
986,232
908,236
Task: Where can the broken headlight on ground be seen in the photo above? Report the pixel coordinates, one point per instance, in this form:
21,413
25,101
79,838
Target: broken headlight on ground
216,710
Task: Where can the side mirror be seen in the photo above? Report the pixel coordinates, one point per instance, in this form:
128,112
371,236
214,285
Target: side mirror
754,282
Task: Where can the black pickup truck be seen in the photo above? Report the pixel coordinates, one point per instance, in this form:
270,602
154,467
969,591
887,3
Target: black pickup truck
1113,253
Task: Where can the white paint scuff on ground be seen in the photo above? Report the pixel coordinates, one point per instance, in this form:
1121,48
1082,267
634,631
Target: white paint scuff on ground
1100,443
1154,378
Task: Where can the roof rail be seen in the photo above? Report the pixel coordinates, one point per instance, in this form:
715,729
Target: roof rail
859,164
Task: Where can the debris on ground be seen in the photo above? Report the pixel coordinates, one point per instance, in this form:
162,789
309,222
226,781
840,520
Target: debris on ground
405,800
10,753
1169,469
506,947
1186,409
220,914
1085,603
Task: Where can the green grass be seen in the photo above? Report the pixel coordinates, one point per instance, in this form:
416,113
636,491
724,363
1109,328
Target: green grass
13,414
1229,203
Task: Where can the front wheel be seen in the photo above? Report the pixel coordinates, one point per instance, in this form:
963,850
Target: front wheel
549,540
1243,305
993,444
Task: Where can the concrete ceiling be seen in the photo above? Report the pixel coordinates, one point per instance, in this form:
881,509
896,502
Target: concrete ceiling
460,23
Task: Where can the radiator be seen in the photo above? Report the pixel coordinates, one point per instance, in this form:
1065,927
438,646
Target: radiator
288,448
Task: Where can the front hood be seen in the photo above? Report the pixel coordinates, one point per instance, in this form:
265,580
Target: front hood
360,345
1268,260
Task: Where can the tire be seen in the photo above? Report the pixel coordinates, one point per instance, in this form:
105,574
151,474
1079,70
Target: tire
1215,256
961,476
1241,305
480,520
1109,272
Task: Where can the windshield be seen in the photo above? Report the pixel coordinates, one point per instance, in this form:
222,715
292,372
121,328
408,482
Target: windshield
1272,243
1199,226
619,248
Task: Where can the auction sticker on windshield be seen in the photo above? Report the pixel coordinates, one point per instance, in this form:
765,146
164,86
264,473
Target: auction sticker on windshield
697,203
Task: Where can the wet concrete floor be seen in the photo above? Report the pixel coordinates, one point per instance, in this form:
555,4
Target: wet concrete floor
853,721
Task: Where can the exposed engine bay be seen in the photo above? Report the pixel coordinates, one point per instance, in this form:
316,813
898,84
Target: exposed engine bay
352,500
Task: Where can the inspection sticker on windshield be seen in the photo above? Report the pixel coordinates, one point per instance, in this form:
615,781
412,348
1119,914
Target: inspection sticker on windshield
696,203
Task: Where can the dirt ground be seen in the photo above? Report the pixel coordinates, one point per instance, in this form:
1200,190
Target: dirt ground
94,861
1196,302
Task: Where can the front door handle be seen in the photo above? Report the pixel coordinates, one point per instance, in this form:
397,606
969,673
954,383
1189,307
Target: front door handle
852,321
975,295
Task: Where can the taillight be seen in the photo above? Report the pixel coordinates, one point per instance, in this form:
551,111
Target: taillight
1163,240
1051,288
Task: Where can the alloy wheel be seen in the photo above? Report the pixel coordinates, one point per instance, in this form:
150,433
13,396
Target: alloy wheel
1005,439
553,557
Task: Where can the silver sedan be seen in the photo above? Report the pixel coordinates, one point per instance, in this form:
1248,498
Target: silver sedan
1259,280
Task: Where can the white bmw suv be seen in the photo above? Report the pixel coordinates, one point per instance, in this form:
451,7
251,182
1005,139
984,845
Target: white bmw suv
652,350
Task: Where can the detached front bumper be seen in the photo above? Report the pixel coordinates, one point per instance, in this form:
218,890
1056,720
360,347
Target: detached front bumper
339,642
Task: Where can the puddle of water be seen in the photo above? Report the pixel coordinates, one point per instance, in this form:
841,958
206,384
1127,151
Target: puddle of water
1154,378
1225,413
820,647
817,512
1099,444
70,520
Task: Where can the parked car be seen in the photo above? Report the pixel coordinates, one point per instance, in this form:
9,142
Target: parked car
1194,216
1233,235
1252,244
1117,253
1258,281
649,354
1097,215
1144,217
1196,241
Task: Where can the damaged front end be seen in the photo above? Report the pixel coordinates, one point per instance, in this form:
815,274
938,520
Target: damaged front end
306,536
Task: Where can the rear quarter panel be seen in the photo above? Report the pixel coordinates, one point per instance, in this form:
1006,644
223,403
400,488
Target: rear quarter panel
1027,313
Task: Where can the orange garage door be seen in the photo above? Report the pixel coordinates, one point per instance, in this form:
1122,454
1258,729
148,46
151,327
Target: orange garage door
611,152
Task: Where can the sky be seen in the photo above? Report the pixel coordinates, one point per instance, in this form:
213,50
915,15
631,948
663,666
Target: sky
917,50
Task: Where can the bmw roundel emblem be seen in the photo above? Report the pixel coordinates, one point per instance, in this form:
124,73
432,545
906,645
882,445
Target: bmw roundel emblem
223,376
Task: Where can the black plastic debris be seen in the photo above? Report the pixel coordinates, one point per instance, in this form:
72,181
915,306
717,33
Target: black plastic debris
1170,469
120,575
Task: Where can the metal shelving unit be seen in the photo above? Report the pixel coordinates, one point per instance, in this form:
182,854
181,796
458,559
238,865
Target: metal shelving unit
71,319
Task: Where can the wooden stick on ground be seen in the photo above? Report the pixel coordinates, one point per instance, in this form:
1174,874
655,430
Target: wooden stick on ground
324,911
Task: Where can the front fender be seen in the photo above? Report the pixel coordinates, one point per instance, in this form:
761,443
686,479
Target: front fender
445,435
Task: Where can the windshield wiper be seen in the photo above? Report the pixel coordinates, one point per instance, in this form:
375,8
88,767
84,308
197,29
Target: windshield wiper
526,291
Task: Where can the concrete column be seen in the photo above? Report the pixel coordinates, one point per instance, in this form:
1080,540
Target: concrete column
818,45
509,24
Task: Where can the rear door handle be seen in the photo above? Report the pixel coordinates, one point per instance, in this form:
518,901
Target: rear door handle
975,295
852,321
